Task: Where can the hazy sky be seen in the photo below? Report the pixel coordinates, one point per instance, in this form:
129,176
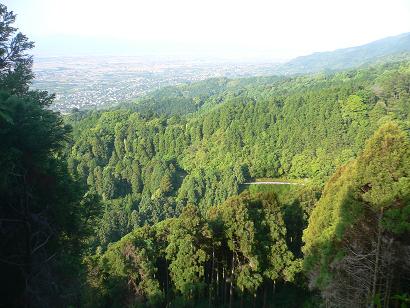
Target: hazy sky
268,28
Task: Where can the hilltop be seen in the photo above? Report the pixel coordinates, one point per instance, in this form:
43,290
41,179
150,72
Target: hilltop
385,49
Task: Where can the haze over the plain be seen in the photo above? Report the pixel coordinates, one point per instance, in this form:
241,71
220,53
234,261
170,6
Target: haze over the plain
244,28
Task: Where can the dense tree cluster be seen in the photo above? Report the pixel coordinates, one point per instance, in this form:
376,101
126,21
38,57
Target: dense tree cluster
148,167
42,216
237,251
144,204
151,162
357,242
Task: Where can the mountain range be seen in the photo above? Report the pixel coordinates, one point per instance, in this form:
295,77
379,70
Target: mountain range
381,50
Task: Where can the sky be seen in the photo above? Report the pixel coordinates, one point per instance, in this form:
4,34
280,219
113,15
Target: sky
274,29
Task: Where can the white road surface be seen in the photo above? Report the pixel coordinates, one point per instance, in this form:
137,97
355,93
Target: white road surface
273,183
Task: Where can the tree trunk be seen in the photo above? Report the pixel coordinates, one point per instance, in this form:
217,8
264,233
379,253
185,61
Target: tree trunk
273,289
166,283
264,295
223,284
389,276
224,274
217,281
376,263
254,300
211,285
27,257
231,286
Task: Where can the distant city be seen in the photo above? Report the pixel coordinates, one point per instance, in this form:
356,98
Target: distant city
103,81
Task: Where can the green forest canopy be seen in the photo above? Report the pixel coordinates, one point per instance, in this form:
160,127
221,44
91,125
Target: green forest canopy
143,205
190,147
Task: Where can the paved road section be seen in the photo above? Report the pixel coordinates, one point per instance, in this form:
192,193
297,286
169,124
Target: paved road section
272,183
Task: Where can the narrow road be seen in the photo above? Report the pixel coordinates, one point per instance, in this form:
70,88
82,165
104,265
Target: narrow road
272,183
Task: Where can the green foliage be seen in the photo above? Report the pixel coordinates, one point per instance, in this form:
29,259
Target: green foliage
301,127
384,50
366,201
246,235
15,64
177,158
149,167
126,272
384,167
186,253
152,203
43,215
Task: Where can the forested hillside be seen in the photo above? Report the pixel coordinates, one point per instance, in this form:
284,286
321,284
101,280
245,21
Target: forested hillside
45,217
389,48
296,128
185,151
149,204
243,251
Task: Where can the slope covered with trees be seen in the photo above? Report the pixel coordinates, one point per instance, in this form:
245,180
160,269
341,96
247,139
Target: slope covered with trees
357,242
299,128
345,58
43,213
144,205
238,247
247,249
154,165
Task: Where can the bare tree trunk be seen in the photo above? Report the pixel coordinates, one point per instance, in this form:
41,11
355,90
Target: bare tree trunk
224,283
231,286
211,285
264,295
27,257
166,282
376,264
217,281
387,293
388,267
273,289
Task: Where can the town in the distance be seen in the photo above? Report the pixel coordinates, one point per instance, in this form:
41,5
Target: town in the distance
90,82
101,81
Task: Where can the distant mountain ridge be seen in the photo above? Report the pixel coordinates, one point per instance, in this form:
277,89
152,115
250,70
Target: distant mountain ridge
394,46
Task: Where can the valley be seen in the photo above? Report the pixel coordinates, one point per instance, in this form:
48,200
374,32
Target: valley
159,181
88,82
